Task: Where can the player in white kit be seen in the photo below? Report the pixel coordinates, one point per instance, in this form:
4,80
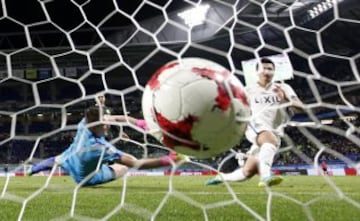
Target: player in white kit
269,102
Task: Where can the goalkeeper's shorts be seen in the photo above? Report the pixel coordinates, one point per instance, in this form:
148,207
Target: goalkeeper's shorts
104,175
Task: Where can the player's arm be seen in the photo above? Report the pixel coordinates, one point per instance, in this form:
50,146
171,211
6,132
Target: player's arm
122,118
296,105
287,95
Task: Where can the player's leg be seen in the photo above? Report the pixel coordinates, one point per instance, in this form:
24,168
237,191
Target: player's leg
106,174
241,174
44,165
146,163
247,171
268,143
119,170
325,171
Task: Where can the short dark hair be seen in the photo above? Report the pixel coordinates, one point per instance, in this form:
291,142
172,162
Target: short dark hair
265,61
92,114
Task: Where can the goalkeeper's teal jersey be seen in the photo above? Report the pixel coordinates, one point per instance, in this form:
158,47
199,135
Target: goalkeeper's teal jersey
87,152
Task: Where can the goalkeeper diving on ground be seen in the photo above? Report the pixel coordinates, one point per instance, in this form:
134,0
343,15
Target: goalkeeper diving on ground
92,160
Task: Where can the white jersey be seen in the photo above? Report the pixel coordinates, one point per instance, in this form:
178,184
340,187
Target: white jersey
265,111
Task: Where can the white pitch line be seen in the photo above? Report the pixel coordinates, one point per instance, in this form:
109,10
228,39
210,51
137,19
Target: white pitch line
244,194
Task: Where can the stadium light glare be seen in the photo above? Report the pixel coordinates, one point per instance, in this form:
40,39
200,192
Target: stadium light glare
311,123
349,117
194,16
322,7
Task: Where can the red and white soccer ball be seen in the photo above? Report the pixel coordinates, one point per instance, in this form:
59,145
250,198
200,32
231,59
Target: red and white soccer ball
195,107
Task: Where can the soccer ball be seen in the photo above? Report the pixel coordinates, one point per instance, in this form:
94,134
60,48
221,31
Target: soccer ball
195,107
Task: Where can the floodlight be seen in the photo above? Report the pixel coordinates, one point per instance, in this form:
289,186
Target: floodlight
194,16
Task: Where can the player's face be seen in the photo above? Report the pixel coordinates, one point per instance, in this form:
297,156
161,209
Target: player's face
99,130
101,99
266,72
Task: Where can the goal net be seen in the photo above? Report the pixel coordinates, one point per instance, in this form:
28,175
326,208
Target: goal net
58,56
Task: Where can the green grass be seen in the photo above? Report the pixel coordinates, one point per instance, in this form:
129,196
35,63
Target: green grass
297,198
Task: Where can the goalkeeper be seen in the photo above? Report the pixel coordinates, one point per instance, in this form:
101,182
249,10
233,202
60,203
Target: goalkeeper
86,159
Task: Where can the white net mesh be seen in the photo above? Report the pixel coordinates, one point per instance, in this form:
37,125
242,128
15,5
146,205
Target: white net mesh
57,56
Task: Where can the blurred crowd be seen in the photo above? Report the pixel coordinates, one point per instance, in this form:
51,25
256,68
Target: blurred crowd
332,146
338,142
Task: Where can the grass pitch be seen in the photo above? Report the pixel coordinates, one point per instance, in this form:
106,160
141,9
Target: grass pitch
182,198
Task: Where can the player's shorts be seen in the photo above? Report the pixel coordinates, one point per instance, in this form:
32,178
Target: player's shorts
80,168
104,175
253,151
253,131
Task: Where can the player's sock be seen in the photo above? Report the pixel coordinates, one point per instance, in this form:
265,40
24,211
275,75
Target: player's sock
46,164
236,175
166,160
174,157
266,157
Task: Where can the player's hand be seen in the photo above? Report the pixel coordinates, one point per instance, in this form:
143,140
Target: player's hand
280,94
107,117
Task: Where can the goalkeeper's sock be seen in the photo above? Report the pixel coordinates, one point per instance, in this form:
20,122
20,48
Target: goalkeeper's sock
167,160
236,175
43,165
266,158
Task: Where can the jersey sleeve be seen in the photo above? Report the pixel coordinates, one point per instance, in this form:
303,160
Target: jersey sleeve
111,152
81,125
289,92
